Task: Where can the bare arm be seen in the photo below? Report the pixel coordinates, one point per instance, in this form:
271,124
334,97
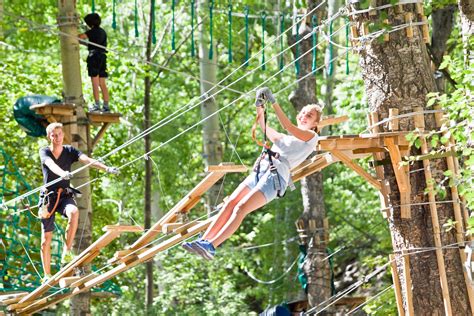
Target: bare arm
272,134
302,134
84,159
55,168
83,39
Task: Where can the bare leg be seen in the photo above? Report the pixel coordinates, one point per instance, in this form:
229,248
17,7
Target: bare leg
46,238
73,221
103,88
224,215
95,88
252,201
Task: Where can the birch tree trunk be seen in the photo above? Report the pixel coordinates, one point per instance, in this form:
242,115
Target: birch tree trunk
212,147
466,9
312,220
72,93
397,74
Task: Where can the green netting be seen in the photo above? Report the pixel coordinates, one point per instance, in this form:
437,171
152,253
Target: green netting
32,123
20,237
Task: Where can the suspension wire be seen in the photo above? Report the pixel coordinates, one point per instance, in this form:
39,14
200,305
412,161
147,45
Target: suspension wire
270,282
352,311
146,132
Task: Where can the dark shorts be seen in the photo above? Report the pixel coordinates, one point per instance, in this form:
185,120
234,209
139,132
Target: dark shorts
97,64
48,224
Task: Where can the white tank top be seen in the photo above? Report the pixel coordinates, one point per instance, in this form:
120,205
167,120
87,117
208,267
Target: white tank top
292,150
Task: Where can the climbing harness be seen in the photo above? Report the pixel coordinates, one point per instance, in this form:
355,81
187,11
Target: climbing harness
267,152
45,200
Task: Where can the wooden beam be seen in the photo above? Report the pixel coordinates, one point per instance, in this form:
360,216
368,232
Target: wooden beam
397,287
65,282
226,168
99,135
12,298
123,228
407,283
326,121
316,165
97,117
358,169
402,176
169,227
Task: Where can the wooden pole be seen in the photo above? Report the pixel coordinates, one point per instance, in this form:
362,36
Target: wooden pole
397,287
420,124
407,283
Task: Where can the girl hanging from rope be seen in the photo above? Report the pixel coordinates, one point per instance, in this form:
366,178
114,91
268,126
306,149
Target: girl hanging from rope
271,173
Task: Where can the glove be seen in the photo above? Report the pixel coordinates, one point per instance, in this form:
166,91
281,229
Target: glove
66,175
263,95
112,170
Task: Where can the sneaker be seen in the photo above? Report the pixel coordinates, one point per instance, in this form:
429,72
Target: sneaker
106,109
67,257
188,247
94,108
46,278
204,248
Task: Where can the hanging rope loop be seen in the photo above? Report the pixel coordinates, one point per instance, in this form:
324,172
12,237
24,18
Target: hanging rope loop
247,54
211,48
193,50
136,19
263,16
230,31
314,21
282,30
114,14
173,38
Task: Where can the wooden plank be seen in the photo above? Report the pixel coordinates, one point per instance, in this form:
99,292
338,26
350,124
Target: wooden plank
104,240
197,191
407,283
402,177
123,228
436,230
358,169
226,168
397,287
42,304
315,165
95,117
183,229
65,282
169,227
326,121
393,121
143,257
79,282
12,298
100,134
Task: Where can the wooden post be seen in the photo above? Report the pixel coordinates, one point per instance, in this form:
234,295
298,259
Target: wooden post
386,36
397,287
425,30
393,123
407,283
420,124
408,20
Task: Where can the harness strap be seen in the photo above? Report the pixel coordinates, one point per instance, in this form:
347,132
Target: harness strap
46,215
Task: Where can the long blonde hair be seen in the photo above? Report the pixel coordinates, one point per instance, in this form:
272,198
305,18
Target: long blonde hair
318,107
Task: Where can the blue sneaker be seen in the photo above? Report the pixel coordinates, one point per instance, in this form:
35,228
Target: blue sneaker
188,245
204,248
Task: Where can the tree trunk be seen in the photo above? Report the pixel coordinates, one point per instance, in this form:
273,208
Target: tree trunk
442,21
397,74
212,147
72,93
466,10
148,165
312,219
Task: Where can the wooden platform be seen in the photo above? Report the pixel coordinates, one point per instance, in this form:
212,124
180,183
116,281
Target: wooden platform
52,110
98,118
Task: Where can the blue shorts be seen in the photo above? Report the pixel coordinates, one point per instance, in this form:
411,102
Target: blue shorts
63,205
266,183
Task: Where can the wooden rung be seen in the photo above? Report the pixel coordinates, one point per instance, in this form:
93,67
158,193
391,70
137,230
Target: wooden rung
65,282
97,117
83,279
12,298
393,123
326,121
396,158
169,227
425,30
226,168
123,228
408,20
183,229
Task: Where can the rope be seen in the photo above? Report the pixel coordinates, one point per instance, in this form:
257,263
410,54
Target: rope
211,48
135,18
173,44
114,15
347,45
386,6
331,51
153,25
314,21
274,280
264,16
352,311
193,50
93,6
230,32
247,53
156,126
405,115
282,28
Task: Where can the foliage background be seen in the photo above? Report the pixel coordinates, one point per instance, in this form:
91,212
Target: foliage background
30,64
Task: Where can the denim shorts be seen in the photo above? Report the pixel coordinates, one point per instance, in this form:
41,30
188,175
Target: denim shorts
265,183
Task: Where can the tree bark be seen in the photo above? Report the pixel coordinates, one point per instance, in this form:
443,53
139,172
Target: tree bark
212,147
314,234
442,21
397,74
466,10
148,165
72,93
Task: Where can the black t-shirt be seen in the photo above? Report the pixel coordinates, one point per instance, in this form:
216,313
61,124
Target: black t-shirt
97,35
68,156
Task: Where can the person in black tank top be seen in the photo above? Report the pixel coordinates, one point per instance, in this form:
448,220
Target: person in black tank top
96,60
